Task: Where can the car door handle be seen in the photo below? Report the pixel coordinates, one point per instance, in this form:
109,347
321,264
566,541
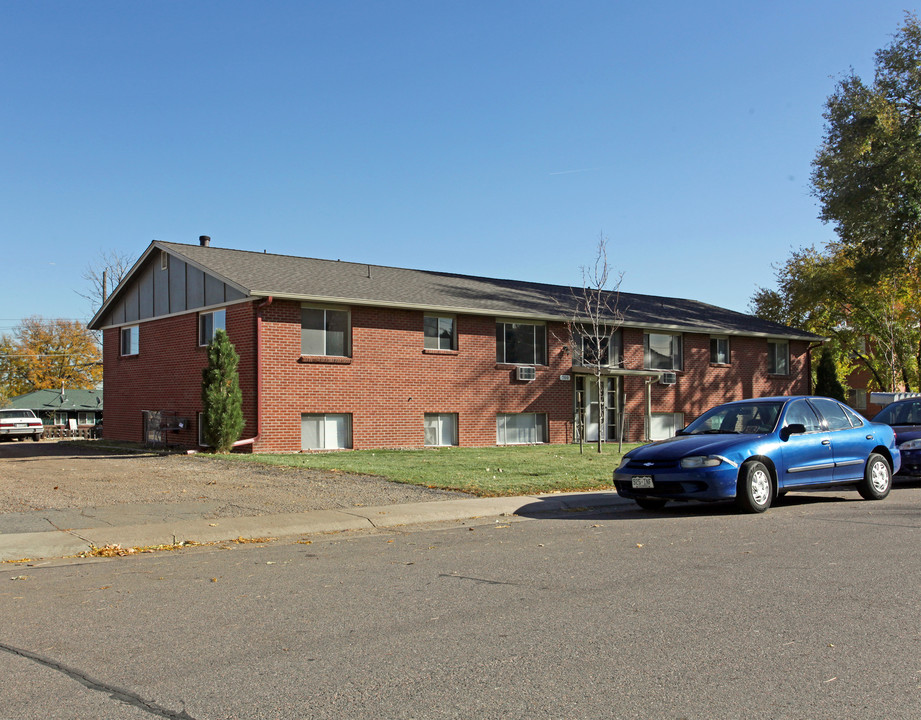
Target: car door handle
826,442
869,437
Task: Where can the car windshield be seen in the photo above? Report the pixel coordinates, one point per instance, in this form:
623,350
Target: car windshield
755,418
901,413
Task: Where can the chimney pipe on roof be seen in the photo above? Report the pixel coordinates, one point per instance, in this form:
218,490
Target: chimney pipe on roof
204,240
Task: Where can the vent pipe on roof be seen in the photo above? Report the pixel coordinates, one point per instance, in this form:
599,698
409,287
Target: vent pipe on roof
204,240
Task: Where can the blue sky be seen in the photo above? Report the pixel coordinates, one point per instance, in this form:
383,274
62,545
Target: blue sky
481,137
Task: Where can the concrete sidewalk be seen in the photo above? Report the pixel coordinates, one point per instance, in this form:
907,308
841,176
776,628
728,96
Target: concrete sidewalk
58,533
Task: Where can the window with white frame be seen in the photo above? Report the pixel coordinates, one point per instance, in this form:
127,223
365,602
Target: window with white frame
521,428
520,343
662,351
778,357
329,431
719,349
440,429
86,418
130,337
440,333
60,418
209,323
604,348
665,425
325,331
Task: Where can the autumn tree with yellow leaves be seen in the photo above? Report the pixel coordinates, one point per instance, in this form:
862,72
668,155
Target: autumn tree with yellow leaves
42,354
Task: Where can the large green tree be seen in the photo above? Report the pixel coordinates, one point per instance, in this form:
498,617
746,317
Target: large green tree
822,291
222,400
867,172
863,290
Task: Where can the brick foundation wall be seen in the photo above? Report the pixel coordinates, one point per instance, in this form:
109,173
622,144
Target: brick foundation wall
391,381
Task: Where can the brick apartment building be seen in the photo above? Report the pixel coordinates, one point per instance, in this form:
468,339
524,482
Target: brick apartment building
345,355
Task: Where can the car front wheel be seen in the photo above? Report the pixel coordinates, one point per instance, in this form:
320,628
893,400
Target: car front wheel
755,489
877,479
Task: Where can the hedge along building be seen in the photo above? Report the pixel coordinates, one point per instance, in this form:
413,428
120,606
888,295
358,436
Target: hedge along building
339,355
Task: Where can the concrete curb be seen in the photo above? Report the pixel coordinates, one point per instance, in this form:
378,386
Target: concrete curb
61,543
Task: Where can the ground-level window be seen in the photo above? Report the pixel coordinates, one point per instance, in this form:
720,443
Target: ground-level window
130,337
60,418
201,430
86,418
778,357
665,425
440,333
521,343
331,431
719,349
209,323
325,331
521,428
440,429
662,351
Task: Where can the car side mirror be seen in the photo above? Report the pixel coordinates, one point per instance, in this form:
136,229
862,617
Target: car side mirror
792,429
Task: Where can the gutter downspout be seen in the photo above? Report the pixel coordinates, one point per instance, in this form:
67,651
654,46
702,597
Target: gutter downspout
259,308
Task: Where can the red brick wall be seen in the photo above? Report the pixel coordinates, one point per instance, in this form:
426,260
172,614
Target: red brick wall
390,381
701,385
165,375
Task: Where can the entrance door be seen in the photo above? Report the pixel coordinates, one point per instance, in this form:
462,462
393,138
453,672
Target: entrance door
591,410
591,421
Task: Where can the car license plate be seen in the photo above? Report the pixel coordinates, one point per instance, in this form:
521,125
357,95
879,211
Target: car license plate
21,425
641,481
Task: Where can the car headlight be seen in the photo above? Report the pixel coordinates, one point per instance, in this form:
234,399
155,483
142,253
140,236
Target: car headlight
700,461
911,445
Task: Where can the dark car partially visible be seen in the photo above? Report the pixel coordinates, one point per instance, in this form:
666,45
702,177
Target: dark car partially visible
904,417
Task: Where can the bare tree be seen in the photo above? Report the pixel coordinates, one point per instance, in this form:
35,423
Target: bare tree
103,275
594,319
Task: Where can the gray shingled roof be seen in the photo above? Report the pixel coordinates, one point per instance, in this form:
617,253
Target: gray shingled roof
284,276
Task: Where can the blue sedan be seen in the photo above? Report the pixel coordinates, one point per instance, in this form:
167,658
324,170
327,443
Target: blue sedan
752,451
904,416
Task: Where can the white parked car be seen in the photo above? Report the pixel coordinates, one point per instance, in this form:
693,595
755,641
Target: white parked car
20,424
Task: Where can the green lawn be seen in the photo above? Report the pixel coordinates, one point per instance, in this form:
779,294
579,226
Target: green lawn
492,471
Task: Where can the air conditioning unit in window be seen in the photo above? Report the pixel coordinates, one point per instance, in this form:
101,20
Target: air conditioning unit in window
527,373
668,378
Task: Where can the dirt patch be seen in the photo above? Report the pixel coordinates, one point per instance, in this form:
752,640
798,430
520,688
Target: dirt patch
58,475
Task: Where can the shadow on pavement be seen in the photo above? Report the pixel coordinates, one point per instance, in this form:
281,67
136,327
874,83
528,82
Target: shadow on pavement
613,507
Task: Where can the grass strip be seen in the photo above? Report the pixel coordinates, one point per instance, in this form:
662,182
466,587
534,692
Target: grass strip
485,472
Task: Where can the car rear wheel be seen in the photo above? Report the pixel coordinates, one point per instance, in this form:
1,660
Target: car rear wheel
754,491
877,478
651,503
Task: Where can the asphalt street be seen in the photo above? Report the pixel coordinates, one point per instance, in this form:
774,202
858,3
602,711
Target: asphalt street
808,611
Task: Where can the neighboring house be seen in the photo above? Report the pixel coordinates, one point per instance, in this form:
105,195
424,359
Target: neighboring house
66,408
346,355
